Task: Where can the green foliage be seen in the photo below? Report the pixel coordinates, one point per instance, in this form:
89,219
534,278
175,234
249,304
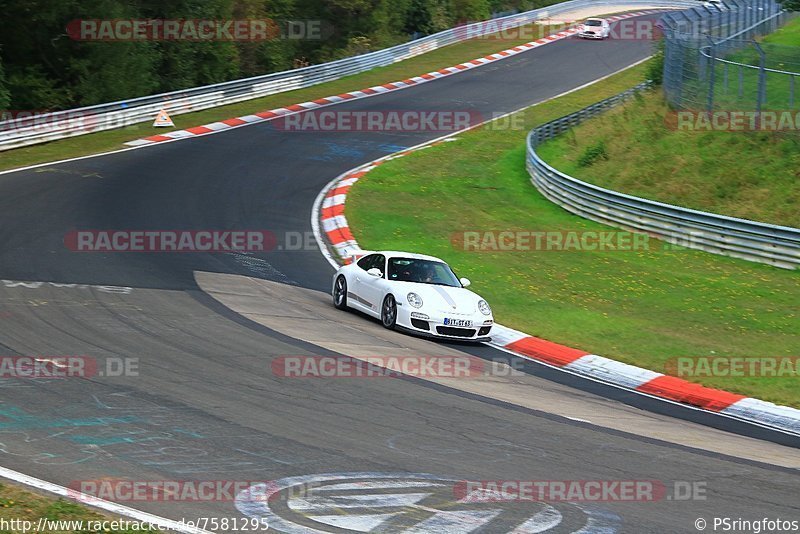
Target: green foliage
44,68
116,80
655,68
32,89
357,46
791,5
419,18
593,153
5,95
703,170
471,10
61,509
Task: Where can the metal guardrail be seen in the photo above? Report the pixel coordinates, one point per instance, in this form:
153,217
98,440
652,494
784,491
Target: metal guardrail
754,241
80,121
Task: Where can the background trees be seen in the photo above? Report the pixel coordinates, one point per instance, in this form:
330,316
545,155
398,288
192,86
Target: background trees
43,68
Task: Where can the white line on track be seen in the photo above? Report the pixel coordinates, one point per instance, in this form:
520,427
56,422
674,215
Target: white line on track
94,502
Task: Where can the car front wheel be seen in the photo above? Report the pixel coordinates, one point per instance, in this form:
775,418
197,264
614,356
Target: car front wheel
340,293
389,312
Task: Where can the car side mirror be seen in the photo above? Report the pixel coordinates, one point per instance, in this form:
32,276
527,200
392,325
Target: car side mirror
375,272
464,282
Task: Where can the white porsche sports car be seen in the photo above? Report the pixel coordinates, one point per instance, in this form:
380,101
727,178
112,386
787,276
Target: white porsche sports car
413,292
594,28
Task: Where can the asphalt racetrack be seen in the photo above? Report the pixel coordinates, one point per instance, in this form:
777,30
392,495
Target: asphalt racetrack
377,455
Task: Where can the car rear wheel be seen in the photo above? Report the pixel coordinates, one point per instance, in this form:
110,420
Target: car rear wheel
340,293
389,312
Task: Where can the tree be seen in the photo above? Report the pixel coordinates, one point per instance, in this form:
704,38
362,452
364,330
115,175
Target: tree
49,68
184,63
5,96
108,72
791,5
419,19
470,10
46,65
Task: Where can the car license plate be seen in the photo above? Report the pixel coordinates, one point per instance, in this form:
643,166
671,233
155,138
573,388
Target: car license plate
458,322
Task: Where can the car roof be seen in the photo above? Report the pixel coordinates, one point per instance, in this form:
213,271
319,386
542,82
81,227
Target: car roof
595,18
412,255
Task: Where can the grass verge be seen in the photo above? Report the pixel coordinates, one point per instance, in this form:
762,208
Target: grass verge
752,175
786,36
643,307
789,35
114,139
18,505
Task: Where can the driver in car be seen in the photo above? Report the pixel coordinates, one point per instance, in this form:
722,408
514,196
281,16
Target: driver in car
428,274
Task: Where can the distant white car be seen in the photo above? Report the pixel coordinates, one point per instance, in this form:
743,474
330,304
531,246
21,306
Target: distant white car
413,292
594,28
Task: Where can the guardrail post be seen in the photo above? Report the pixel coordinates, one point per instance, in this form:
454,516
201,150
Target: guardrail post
741,81
742,18
702,61
712,52
730,24
725,79
762,80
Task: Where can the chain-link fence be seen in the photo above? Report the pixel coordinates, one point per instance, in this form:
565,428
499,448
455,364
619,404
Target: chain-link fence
714,60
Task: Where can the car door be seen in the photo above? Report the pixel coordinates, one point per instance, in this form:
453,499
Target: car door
363,283
373,287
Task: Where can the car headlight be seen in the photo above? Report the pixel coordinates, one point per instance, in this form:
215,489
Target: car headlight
415,300
483,306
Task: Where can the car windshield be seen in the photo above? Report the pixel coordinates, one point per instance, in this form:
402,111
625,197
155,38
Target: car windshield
422,271
594,22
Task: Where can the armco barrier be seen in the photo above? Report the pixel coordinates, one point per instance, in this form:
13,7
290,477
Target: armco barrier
729,236
58,125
